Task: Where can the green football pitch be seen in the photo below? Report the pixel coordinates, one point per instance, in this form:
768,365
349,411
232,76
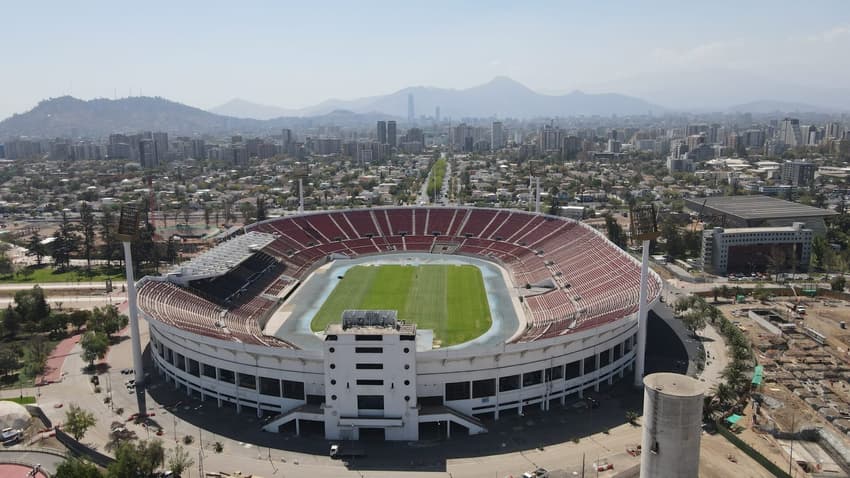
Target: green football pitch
448,299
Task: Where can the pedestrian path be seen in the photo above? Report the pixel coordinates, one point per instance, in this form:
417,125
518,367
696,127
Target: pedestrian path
53,368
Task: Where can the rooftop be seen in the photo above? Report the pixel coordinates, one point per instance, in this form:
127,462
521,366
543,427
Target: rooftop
757,207
674,384
371,322
220,259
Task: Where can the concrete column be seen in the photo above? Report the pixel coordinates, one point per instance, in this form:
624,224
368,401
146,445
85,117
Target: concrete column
596,372
297,427
643,311
581,378
448,429
134,317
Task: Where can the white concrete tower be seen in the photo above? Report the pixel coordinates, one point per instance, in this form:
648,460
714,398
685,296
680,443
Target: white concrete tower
672,425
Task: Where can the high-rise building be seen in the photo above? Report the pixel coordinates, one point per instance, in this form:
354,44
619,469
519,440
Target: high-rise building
497,135
410,112
286,135
789,132
798,173
160,142
147,154
833,130
199,149
549,139
382,132
437,113
392,134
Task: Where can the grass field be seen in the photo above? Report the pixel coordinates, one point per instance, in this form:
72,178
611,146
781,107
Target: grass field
448,299
44,274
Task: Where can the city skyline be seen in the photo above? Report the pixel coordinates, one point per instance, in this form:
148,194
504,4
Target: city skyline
294,56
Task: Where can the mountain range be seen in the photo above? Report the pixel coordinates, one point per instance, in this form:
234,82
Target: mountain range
500,97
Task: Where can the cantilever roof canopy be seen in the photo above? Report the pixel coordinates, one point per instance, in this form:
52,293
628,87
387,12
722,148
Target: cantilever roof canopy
221,259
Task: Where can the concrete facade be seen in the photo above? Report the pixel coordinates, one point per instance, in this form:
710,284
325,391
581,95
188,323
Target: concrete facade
672,426
722,248
294,384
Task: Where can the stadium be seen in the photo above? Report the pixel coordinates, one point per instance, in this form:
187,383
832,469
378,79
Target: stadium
397,323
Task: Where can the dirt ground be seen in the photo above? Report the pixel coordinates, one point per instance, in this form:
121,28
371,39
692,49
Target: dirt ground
805,384
715,462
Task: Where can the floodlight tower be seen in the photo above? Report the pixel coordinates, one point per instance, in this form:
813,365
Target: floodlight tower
644,228
128,229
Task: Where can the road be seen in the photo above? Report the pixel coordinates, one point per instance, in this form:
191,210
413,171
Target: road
443,197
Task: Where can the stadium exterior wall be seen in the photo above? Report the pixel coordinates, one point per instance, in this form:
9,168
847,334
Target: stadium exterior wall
520,375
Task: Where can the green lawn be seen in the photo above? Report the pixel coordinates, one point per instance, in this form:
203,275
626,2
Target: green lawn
25,400
40,275
450,300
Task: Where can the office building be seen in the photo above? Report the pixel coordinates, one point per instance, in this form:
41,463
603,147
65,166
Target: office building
199,149
160,142
757,249
798,173
147,154
789,133
437,113
382,132
410,112
392,138
549,139
497,135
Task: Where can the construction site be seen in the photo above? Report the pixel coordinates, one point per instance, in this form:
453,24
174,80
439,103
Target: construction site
800,412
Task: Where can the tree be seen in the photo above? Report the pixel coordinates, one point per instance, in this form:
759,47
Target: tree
108,231
32,306
8,360
837,283
78,318
615,231
137,460
35,355
106,319
676,247
95,345
819,251
11,321
36,248
261,209
179,461
77,468
760,293
6,266
64,243
248,211
87,227
78,421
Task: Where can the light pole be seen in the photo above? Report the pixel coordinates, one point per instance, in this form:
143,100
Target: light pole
643,228
128,229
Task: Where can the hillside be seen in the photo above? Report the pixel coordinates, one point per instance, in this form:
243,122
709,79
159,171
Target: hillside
71,117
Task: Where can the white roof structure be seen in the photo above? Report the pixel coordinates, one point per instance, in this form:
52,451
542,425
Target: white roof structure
220,259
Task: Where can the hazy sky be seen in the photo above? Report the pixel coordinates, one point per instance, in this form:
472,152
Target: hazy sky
295,54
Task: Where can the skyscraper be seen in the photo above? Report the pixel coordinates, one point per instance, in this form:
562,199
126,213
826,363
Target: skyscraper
789,132
382,132
147,154
437,113
160,144
391,134
410,112
498,135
